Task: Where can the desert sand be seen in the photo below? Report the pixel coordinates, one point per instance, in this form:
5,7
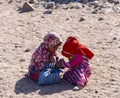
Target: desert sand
21,33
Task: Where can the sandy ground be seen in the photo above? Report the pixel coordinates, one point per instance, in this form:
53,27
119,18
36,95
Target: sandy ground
21,33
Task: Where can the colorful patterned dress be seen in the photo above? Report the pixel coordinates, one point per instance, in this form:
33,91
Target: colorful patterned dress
43,55
38,61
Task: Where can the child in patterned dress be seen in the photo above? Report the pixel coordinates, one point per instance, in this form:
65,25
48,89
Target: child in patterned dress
44,55
78,66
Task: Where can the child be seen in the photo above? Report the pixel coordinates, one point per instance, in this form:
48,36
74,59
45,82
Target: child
78,66
45,55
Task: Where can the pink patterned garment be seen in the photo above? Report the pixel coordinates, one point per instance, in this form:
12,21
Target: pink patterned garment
79,70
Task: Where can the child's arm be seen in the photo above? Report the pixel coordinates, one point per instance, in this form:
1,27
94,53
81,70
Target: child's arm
76,61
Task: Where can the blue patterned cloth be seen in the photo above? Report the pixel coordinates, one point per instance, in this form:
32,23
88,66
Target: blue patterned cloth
50,75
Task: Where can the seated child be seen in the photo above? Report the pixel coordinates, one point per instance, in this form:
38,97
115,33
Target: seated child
78,66
45,55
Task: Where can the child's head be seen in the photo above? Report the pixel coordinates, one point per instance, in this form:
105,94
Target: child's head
52,41
73,47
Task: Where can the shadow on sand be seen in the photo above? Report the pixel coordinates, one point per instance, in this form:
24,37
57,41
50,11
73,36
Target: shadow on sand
25,86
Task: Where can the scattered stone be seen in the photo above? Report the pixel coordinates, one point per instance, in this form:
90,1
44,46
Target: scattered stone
47,12
114,38
117,8
81,19
67,19
10,1
50,5
31,1
27,7
42,17
117,2
39,4
27,50
1,78
116,91
16,46
103,48
19,1
96,91
75,6
95,11
112,67
100,19
98,42
22,60
95,4
65,6
112,80
113,1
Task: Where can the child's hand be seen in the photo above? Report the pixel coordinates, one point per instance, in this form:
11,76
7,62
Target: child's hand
59,63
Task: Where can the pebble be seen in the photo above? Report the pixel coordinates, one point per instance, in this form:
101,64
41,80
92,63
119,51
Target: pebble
22,60
47,12
100,19
27,50
81,19
27,7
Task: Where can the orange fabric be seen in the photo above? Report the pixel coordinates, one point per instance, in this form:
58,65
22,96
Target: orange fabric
72,46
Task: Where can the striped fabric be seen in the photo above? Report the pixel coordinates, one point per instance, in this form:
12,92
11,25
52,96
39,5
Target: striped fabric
49,76
78,74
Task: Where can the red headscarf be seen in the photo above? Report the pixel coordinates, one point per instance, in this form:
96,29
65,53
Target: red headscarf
72,46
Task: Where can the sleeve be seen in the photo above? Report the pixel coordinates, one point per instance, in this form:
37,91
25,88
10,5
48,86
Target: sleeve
35,55
76,61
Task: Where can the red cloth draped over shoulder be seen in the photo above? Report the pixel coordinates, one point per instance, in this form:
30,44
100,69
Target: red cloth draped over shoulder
73,46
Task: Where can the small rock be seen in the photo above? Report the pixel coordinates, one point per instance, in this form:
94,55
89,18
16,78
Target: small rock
27,7
27,50
96,91
67,19
42,17
103,48
114,38
31,1
100,19
75,6
10,1
22,60
95,11
112,67
112,80
95,4
49,5
116,2
47,12
19,1
65,6
16,46
82,19
1,78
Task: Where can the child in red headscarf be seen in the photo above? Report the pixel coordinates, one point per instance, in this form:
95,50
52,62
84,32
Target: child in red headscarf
78,66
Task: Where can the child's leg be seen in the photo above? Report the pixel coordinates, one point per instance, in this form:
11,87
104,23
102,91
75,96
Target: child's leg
81,78
81,81
88,72
33,73
69,77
